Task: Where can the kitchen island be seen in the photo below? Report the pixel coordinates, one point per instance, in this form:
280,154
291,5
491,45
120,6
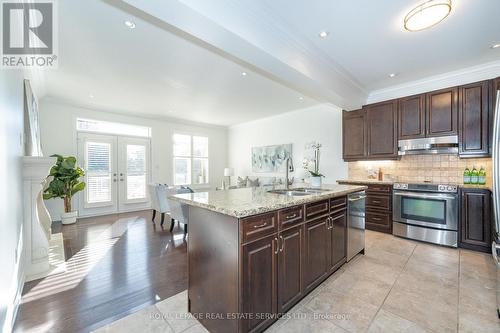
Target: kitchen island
253,254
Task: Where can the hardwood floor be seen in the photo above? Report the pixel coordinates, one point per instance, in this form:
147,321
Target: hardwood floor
116,265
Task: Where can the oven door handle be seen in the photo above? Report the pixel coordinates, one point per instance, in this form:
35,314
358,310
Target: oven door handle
425,196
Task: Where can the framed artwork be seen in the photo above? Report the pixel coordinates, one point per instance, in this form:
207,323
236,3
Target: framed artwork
270,158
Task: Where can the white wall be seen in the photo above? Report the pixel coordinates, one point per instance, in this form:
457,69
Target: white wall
11,211
58,133
321,123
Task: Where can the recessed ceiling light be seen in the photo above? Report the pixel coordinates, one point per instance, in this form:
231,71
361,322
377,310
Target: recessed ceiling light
323,34
244,73
495,46
392,75
301,98
130,24
427,14
91,96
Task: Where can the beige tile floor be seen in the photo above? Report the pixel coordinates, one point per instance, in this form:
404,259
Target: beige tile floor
398,286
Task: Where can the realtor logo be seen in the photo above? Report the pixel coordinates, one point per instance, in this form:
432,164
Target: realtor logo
29,34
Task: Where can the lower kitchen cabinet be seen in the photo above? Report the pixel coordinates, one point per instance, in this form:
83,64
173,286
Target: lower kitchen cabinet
290,268
316,252
259,282
338,234
475,219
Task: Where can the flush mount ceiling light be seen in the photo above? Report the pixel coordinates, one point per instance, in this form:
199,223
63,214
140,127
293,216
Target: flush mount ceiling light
301,98
130,24
392,75
323,34
495,46
244,73
427,15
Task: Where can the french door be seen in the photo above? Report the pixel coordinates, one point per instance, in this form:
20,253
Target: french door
116,173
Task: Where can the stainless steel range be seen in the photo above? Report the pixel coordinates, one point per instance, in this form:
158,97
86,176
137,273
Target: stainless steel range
426,212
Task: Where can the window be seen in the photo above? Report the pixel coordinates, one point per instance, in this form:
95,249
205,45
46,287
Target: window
98,126
190,159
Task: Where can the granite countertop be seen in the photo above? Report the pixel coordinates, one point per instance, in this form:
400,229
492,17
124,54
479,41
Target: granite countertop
245,202
366,181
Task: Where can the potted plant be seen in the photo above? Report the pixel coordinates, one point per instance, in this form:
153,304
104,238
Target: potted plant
65,184
316,176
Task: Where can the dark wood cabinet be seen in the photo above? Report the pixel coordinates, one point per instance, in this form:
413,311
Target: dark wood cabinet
316,252
442,112
354,135
290,268
338,234
474,119
475,219
381,122
259,282
411,117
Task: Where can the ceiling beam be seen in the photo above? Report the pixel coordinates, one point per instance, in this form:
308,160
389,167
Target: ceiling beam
277,55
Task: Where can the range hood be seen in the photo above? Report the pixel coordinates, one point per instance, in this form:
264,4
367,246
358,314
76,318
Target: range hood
437,145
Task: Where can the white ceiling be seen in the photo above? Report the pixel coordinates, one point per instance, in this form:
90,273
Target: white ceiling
367,37
185,57
149,70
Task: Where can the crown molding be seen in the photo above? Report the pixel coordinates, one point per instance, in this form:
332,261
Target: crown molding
481,72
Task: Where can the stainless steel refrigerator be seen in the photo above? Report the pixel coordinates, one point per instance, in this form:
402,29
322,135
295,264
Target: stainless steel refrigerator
495,246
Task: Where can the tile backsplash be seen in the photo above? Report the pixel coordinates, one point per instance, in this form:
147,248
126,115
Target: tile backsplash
446,169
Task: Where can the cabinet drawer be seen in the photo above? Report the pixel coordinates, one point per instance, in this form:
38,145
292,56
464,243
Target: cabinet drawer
379,202
383,219
290,216
316,208
258,226
338,203
379,188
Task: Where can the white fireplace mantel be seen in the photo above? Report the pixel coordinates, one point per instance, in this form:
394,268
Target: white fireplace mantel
37,222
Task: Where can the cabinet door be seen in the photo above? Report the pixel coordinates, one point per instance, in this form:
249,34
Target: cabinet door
473,104
442,112
381,120
475,231
338,234
353,135
411,117
290,268
259,282
317,243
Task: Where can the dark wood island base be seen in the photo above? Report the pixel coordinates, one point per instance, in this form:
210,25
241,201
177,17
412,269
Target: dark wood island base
245,272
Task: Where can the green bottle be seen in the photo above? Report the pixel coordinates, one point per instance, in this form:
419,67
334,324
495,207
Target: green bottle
482,176
467,176
474,175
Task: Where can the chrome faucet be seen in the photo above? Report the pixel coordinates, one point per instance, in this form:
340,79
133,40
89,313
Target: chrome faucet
289,168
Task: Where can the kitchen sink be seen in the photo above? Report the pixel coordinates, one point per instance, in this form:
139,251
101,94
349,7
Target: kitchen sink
291,193
297,192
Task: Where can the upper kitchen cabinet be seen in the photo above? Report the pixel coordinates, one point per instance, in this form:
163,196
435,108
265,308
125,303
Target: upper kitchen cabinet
442,112
353,135
411,117
473,100
381,123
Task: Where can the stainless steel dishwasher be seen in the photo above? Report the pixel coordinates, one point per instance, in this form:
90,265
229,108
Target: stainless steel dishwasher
355,224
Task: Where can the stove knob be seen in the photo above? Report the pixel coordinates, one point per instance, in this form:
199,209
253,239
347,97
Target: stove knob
397,186
441,188
449,188
404,186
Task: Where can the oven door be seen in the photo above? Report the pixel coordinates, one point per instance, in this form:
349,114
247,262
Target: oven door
435,210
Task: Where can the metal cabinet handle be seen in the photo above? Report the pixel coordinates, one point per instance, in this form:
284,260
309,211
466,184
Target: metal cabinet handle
121,179
291,216
494,248
376,201
276,246
260,225
282,244
114,180
376,218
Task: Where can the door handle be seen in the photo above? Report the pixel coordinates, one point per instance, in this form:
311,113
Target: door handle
282,243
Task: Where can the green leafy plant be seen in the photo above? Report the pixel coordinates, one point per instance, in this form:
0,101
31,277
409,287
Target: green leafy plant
316,174
65,181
